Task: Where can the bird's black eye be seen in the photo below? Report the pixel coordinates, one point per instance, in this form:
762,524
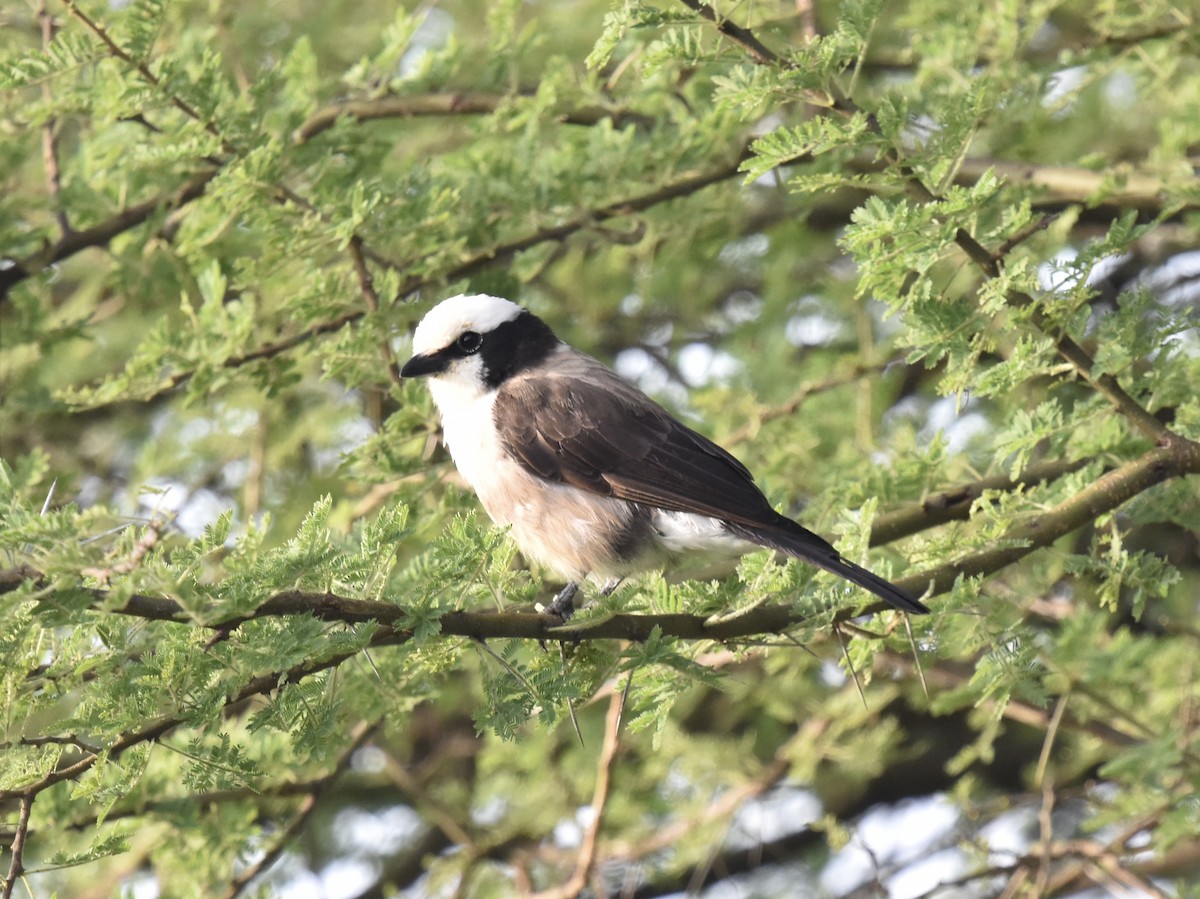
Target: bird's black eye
469,342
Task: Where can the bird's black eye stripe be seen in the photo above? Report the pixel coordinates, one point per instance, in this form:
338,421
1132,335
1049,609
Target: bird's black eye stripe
469,342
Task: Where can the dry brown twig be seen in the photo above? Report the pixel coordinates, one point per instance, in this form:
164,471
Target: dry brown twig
16,867
605,763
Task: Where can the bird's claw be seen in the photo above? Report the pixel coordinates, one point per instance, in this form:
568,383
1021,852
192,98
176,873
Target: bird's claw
563,604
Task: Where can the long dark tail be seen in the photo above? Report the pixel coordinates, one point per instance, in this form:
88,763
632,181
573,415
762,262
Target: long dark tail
788,537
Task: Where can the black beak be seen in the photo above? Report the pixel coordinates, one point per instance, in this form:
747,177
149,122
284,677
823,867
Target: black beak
423,364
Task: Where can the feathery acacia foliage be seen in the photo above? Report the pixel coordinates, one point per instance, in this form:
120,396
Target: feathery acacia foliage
928,268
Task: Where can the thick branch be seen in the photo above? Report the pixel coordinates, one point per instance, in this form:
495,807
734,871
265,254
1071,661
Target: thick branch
1106,494
1064,185
1058,186
954,503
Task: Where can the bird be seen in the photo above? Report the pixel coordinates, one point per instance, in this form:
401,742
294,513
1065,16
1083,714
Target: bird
595,479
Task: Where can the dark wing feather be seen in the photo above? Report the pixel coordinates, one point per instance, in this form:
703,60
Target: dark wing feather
598,433
583,425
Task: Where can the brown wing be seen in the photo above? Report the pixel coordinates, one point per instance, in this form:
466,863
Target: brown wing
585,426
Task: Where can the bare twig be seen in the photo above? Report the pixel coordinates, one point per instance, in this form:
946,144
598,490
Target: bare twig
53,740
50,132
604,771
17,850
837,631
950,675
367,285
798,399
1019,237
144,545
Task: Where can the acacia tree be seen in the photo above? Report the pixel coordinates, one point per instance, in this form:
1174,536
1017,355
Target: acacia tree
927,267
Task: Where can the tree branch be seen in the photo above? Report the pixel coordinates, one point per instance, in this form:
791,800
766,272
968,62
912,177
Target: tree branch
604,767
49,131
954,503
684,186
448,104
366,284
17,850
1106,494
743,37
100,234
362,733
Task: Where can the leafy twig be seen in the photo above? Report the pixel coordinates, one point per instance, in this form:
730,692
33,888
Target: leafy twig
447,104
954,503
362,733
100,234
483,259
255,686
144,70
988,262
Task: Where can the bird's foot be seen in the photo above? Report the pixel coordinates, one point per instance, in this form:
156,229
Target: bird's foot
563,604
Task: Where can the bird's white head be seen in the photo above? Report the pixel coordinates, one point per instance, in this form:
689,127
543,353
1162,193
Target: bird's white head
469,345
450,319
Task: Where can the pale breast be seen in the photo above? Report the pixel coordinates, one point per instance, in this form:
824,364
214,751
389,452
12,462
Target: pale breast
569,531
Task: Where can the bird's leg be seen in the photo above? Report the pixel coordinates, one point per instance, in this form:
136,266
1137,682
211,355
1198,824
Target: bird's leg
610,585
563,604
